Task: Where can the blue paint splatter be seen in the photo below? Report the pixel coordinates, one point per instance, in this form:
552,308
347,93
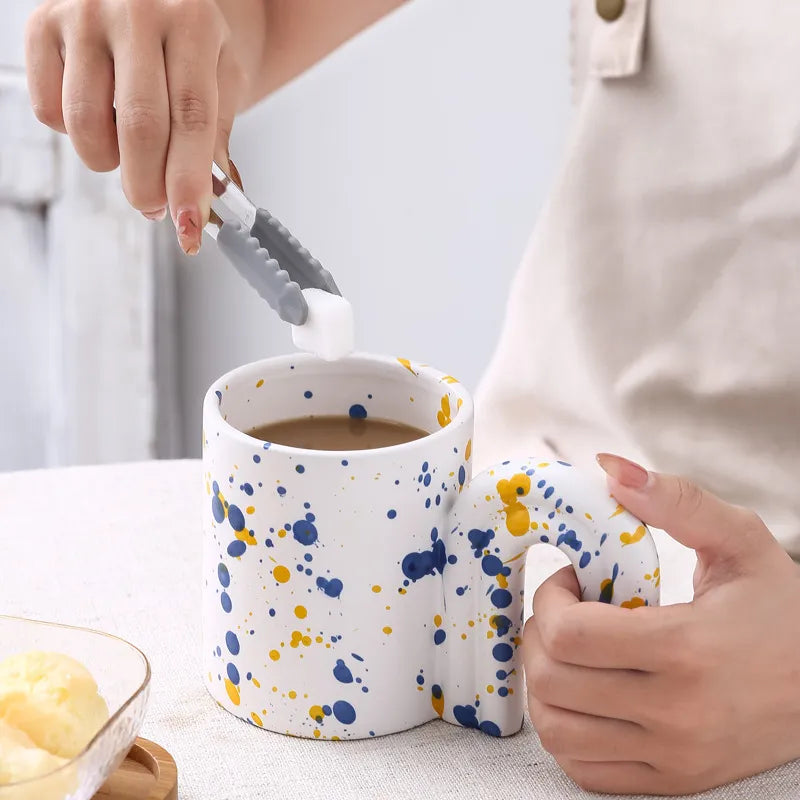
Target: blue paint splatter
439,636
570,539
357,657
492,565
502,691
308,394
236,518
248,489
223,575
219,397
607,592
300,468
232,643
233,674
217,508
502,652
257,458
391,513
502,623
428,562
225,601
467,717
479,540
462,475
501,598
342,673
420,680
585,559
281,491
357,411
344,712
332,587
304,531
236,548
548,492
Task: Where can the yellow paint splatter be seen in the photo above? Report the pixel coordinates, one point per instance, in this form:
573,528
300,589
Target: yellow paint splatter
587,515
256,719
300,612
634,602
655,577
468,451
632,538
292,695
246,536
437,620
316,713
443,415
387,630
376,588
281,533
274,655
251,509
490,688
317,733
260,383
619,510
281,574
437,702
518,518
233,692
407,364
450,379
257,685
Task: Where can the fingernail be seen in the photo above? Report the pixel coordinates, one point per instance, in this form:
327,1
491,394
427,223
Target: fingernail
187,223
234,172
155,216
624,471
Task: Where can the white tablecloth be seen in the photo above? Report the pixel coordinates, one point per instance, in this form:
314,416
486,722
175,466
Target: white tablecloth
118,548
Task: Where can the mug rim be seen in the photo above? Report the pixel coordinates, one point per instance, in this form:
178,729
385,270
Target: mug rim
431,375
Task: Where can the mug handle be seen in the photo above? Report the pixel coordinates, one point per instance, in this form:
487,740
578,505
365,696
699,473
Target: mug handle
497,517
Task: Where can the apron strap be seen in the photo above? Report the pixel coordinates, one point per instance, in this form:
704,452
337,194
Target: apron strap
618,38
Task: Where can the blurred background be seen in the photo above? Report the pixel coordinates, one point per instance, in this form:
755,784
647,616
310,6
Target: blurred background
412,162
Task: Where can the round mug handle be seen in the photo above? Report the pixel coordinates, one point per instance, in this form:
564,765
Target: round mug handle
498,516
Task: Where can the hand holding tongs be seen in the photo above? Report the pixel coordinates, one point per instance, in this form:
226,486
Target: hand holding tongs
273,262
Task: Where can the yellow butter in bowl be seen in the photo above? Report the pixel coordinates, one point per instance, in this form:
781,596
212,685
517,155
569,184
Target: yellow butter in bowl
21,759
50,710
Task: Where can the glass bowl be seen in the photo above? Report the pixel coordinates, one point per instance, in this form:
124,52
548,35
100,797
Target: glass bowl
122,673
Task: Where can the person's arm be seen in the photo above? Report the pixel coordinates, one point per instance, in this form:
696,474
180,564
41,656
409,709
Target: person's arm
299,33
153,86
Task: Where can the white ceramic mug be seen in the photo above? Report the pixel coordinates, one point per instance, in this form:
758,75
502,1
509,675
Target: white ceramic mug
355,594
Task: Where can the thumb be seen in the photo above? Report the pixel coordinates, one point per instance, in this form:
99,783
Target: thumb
694,517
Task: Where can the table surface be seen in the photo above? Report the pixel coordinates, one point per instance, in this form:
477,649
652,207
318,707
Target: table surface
118,548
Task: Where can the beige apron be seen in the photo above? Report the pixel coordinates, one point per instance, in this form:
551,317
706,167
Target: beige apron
657,310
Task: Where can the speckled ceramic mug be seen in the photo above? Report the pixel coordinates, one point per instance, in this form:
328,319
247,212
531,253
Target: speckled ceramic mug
355,594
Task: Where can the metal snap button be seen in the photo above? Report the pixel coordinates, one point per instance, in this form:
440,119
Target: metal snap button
610,10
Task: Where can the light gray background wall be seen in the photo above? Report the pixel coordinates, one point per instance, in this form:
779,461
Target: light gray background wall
413,163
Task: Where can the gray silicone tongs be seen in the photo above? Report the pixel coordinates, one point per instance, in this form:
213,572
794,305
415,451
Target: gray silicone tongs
269,258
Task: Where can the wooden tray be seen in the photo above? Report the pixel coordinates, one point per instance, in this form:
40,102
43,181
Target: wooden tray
147,773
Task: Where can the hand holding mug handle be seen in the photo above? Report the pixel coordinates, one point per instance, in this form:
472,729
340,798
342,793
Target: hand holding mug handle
498,516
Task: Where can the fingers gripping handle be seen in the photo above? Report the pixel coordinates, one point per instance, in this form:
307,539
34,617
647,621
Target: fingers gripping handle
504,511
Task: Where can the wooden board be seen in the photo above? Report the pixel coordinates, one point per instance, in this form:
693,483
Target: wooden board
147,773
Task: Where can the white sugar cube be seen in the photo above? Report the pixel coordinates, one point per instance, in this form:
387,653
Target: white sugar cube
329,331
